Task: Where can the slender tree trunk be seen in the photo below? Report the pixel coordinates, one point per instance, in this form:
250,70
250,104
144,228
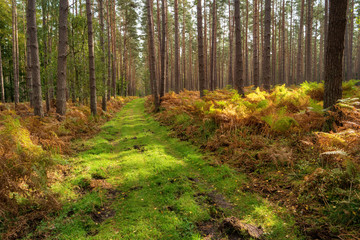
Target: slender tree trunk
167,79
102,46
177,70
290,62
266,55
152,58
230,78
283,47
205,47
273,56
183,80
350,41
320,72
15,52
308,58
35,64
29,83
256,44
108,27
334,52
2,80
113,36
315,55
213,71
326,30
163,45
239,81
247,79
92,80
202,83
158,65
298,79
62,54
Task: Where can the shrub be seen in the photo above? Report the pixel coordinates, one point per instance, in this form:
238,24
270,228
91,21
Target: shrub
23,167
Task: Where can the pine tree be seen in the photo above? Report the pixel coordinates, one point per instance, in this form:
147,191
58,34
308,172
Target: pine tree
334,53
62,55
92,80
35,63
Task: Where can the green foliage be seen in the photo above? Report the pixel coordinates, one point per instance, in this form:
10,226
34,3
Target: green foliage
279,122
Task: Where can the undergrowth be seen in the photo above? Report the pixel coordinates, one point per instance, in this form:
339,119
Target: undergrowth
28,149
277,139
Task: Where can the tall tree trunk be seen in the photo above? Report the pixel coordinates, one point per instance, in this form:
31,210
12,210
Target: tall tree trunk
205,47
92,80
177,70
15,52
239,81
62,54
152,58
163,46
2,80
266,55
35,64
213,71
256,44
290,62
283,46
108,27
158,28
273,56
350,42
183,48
308,58
334,52
326,30
230,78
298,79
29,83
200,49
320,72
315,56
113,40
102,46
167,79
247,79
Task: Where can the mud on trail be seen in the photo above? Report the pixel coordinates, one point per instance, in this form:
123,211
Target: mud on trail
134,181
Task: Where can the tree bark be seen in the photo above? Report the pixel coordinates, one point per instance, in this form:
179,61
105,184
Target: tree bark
152,58
202,83
266,55
230,78
256,44
213,72
15,51
35,64
92,80
326,30
300,40
29,83
239,81
62,54
308,58
334,53
163,42
113,40
177,71
109,77
102,46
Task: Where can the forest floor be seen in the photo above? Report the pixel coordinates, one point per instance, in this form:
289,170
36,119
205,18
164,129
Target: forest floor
134,181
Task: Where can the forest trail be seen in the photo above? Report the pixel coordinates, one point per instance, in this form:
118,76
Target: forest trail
134,181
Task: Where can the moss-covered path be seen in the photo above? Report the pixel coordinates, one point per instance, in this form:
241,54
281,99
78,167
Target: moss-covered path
136,182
